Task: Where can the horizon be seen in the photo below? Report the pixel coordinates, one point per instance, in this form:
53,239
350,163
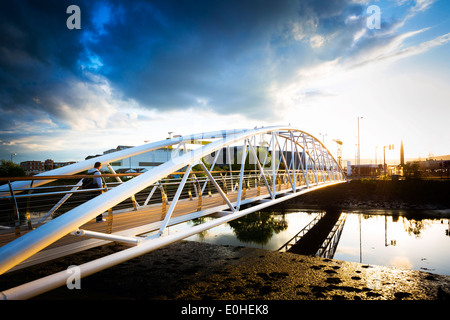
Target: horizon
122,73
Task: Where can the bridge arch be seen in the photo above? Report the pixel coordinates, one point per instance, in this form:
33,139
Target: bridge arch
296,157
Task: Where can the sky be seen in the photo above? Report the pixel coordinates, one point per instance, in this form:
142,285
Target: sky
139,69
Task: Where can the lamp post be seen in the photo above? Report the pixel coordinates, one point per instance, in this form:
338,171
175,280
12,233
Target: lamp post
13,154
359,151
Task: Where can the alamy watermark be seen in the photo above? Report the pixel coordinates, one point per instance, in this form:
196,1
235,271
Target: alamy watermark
374,20
74,20
74,277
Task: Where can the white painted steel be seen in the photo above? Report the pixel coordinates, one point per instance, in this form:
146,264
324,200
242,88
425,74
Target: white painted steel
59,279
175,200
115,156
22,248
36,240
104,236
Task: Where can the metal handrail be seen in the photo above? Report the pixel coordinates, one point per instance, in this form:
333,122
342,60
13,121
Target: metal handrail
317,166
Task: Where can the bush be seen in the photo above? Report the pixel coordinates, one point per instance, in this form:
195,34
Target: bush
11,169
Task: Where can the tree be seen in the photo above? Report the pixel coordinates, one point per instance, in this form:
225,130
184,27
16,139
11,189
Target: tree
10,169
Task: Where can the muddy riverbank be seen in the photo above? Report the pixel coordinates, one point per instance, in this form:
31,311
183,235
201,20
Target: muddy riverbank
199,271
193,271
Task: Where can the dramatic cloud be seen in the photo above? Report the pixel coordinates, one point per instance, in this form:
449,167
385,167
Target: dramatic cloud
253,58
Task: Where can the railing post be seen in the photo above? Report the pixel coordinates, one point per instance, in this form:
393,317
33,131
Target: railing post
28,207
198,190
241,175
15,209
175,200
109,221
163,202
273,166
132,198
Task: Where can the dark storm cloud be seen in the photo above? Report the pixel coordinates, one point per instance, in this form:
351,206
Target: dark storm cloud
37,57
224,56
170,55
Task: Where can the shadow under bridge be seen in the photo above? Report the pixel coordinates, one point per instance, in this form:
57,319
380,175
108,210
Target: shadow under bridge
320,237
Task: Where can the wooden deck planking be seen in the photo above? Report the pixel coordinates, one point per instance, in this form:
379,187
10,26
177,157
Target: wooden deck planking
145,215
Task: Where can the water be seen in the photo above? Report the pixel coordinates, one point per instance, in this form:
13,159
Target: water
397,242
378,239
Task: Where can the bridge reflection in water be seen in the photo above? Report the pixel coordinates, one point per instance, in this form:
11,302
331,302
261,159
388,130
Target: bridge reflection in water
320,237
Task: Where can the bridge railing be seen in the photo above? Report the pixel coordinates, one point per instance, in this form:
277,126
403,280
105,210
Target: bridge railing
278,162
30,207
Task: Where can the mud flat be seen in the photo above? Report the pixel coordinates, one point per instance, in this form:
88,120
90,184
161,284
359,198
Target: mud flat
199,271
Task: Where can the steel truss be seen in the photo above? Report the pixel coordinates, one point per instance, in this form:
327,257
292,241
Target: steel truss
279,162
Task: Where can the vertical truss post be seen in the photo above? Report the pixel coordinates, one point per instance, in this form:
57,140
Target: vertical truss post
216,185
261,171
175,200
325,162
151,193
241,175
329,167
305,167
163,202
314,165
301,166
273,166
285,164
198,192
28,215
212,167
109,221
294,169
230,167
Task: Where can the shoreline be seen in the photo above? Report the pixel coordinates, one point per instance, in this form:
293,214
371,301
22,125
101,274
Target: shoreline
189,270
195,271
413,195
408,213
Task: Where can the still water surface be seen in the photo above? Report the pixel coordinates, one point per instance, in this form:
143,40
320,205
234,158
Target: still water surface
378,239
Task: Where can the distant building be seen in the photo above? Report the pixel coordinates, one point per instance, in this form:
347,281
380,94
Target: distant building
35,167
62,164
32,167
148,160
140,162
49,164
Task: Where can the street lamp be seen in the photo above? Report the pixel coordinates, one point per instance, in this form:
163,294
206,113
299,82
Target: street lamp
359,151
323,137
13,154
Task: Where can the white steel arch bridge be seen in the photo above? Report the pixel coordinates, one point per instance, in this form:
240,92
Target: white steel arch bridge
228,174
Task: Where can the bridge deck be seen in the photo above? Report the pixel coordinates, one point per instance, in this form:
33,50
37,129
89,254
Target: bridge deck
124,220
